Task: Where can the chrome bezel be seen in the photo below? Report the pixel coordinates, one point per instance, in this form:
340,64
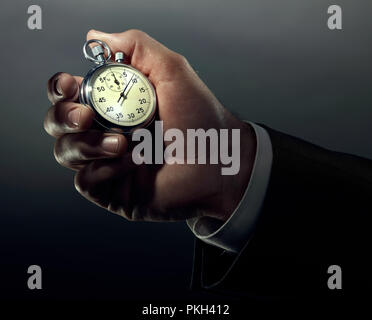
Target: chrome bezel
85,97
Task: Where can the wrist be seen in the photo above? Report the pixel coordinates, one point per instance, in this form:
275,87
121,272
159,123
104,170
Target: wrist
233,186
236,185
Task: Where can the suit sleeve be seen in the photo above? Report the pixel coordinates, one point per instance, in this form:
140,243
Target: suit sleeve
316,213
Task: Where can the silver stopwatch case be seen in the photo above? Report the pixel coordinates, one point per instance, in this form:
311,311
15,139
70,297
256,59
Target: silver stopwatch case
85,94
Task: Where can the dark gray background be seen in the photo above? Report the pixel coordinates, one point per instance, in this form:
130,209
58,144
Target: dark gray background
268,61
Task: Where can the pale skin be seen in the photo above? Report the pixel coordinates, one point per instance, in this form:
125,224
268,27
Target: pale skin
104,172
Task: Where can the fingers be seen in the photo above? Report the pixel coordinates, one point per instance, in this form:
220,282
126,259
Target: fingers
107,183
75,150
68,117
63,87
143,52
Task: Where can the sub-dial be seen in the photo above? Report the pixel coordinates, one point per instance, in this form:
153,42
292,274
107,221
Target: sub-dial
114,81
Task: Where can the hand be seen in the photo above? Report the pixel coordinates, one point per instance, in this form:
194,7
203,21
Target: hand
105,173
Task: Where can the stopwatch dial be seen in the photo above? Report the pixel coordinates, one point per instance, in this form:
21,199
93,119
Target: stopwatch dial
129,101
114,81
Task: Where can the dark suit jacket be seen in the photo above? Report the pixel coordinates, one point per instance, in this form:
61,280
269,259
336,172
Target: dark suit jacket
317,213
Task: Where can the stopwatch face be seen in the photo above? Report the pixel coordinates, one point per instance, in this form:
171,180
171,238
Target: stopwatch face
122,96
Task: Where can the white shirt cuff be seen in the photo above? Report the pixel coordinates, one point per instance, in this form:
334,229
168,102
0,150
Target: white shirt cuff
236,231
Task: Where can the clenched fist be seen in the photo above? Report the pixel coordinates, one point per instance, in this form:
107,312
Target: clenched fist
105,172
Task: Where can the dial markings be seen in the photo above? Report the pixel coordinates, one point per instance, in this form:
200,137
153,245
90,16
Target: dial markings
132,104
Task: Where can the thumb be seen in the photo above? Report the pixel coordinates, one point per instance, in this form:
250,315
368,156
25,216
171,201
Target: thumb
142,52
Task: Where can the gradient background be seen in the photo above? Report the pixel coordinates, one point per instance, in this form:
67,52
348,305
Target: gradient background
269,61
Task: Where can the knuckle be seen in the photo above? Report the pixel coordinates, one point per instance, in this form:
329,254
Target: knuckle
136,33
50,121
88,183
180,59
80,183
176,61
46,126
70,150
58,151
90,33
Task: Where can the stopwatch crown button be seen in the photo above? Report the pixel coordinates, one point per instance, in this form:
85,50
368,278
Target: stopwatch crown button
98,52
119,56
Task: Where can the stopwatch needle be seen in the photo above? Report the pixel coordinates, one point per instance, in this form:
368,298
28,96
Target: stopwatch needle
129,90
122,93
116,80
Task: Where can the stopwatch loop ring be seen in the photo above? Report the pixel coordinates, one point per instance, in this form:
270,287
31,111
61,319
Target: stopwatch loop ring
98,51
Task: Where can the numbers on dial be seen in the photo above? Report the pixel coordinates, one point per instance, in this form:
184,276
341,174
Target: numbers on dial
122,95
109,109
119,116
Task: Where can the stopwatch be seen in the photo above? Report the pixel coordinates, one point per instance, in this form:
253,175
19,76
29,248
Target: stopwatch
122,98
